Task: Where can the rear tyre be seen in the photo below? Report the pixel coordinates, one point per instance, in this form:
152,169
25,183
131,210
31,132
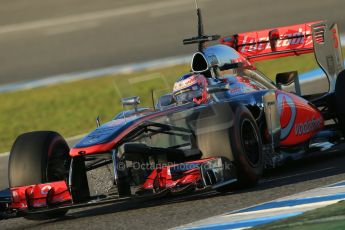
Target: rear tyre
246,147
339,100
39,157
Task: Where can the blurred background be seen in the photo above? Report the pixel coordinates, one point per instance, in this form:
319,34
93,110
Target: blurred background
41,38
44,38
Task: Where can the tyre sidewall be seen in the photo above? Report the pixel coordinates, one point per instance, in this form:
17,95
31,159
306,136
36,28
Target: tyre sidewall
28,162
339,100
247,172
31,156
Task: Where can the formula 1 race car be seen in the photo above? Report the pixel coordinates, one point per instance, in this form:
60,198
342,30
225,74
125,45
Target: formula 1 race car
248,124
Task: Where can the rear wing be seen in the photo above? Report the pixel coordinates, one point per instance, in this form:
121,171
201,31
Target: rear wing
320,38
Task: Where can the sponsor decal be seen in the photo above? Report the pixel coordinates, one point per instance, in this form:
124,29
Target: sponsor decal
185,83
15,196
292,39
235,89
287,112
308,126
45,189
335,38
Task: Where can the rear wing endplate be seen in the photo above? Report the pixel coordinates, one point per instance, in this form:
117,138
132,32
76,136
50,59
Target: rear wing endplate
327,50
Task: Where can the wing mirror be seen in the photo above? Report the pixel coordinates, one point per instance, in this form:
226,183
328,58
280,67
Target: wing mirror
221,87
131,101
284,80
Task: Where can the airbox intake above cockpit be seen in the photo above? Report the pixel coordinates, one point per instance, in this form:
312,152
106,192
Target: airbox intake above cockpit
214,56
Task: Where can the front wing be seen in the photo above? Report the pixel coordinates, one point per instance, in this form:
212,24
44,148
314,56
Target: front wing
193,176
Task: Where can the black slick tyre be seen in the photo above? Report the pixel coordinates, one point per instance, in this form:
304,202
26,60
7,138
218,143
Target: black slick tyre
246,148
39,157
339,100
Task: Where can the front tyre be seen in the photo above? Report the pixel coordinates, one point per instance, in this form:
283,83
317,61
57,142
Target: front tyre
36,158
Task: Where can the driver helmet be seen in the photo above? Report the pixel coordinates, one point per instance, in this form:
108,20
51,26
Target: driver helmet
191,88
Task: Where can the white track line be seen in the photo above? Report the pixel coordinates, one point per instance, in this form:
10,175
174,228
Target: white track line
121,69
287,208
92,16
4,154
71,28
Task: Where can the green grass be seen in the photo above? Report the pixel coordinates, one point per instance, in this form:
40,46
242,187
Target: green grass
301,63
71,108
329,217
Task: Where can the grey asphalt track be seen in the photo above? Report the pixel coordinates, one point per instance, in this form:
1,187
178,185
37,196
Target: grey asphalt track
171,212
40,38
